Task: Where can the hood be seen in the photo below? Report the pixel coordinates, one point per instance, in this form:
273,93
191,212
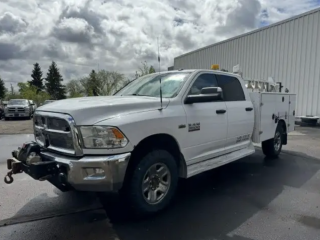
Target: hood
90,110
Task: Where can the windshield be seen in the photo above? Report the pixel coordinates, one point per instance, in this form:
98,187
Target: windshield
149,85
18,102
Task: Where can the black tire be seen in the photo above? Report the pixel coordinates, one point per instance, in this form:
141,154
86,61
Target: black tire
269,147
6,119
133,191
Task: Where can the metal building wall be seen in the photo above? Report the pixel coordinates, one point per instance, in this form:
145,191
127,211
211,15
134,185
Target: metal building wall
289,51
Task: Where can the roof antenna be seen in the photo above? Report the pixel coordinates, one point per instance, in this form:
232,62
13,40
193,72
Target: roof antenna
159,75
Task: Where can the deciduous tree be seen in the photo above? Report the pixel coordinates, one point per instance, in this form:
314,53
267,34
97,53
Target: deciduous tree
144,69
110,82
102,83
28,91
74,89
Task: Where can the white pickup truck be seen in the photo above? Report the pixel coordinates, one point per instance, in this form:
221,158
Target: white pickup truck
139,144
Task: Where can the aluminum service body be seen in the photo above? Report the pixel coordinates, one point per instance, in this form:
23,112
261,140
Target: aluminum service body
288,51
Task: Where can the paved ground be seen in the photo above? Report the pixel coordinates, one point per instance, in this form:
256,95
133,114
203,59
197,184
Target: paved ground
305,140
36,210
245,200
19,126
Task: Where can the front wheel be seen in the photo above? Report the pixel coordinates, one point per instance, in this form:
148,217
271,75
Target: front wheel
272,147
153,182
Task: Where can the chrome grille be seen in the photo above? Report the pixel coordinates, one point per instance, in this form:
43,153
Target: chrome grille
16,109
58,124
20,109
57,132
11,110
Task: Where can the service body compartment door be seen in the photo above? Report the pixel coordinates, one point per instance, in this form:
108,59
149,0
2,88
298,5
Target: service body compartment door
282,106
267,114
268,107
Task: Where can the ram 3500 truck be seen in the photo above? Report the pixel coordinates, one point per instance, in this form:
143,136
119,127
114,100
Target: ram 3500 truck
140,141
18,108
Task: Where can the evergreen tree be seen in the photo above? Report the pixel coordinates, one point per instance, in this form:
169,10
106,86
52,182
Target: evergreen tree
3,89
62,94
94,83
12,89
151,69
37,79
53,83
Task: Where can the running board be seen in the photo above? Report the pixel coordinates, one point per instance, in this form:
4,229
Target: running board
203,166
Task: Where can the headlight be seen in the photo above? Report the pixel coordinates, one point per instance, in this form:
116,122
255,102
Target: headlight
103,137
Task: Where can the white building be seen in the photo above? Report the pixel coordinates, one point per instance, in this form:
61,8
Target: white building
288,51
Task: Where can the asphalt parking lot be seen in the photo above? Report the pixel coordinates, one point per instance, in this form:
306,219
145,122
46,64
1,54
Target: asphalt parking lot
248,199
16,126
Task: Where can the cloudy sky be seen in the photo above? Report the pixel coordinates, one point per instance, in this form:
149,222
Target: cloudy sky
81,35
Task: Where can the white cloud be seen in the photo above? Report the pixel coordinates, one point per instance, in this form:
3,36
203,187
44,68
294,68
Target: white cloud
118,34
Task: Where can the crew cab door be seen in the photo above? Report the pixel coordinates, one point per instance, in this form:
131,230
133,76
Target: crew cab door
206,123
240,113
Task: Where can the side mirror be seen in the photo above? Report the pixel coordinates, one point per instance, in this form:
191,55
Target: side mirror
208,94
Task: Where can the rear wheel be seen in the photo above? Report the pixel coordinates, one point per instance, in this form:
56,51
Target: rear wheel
272,147
153,183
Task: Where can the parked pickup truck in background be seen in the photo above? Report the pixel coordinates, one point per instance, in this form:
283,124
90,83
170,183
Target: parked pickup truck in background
33,106
139,143
18,108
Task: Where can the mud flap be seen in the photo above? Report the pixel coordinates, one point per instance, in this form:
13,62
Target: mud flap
284,139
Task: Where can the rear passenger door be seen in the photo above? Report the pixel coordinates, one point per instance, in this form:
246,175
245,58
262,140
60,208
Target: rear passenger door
240,113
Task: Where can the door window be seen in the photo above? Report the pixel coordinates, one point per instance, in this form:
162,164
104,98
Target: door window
231,88
202,81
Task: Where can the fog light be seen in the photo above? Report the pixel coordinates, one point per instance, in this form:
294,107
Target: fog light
94,174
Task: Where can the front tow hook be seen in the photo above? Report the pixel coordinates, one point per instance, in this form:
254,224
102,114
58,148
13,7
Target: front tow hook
8,179
15,167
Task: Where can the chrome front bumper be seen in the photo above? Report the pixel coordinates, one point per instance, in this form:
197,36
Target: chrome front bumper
94,173
16,115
